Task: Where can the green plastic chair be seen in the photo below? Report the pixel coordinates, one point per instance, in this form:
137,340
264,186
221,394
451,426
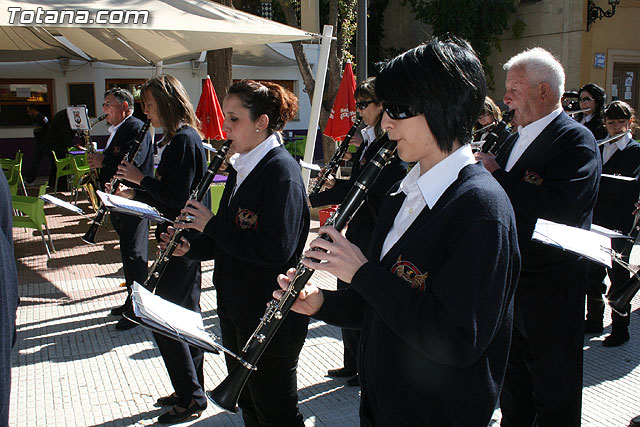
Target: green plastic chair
12,169
63,168
29,213
80,167
296,147
216,195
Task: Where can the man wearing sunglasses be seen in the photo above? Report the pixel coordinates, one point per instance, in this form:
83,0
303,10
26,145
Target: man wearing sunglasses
550,169
433,296
363,222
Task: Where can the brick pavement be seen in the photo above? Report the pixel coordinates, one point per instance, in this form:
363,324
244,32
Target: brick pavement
71,368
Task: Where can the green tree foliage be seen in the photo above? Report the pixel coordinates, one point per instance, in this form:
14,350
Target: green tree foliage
481,22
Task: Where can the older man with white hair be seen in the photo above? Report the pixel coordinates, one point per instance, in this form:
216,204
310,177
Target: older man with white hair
550,169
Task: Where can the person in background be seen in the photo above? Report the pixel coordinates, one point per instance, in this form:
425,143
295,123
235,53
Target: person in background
182,166
435,336
41,126
363,222
9,298
60,137
549,168
592,98
132,231
488,118
616,202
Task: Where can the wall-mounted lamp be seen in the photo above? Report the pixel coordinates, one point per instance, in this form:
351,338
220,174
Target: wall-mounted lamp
195,65
594,12
64,64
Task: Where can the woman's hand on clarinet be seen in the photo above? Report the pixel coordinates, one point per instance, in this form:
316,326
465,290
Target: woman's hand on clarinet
310,298
342,258
194,215
182,248
129,172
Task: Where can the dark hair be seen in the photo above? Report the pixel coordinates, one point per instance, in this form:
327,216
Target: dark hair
598,95
442,79
621,110
277,103
122,95
491,108
174,105
367,90
32,106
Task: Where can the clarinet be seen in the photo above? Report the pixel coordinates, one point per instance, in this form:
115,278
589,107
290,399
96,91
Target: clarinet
228,391
336,158
198,194
495,139
90,235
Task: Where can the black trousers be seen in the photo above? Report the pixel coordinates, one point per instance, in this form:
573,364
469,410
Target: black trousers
618,275
41,152
543,381
180,284
134,246
270,397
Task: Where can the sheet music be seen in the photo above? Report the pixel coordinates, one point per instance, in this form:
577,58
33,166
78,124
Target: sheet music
131,207
309,166
620,177
589,244
612,234
172,318
59,202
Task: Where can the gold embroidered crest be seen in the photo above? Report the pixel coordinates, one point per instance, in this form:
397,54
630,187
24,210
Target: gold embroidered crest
409,272
532,178
245,219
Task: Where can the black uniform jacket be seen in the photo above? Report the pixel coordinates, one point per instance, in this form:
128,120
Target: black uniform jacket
255,236
556,178
616,198
121,144
366,216
596,126
436,311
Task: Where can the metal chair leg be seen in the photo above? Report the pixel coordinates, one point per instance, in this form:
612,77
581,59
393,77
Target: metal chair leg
53,248
45,244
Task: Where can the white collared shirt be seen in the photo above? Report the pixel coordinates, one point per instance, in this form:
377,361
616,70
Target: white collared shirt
425,190
113,129
244,163
527,134
586,118
368,136
610,148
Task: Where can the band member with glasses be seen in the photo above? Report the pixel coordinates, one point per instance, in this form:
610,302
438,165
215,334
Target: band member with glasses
488,118
259,231
434,336
550,169
363,222
616,202
182,165
592,98
133,232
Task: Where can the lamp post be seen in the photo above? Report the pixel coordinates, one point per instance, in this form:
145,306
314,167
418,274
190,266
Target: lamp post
594,12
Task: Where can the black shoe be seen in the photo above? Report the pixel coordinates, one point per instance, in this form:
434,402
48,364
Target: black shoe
174,416
635,422
117,311
592,327
341,373
616,339
172,399
125,324
354,382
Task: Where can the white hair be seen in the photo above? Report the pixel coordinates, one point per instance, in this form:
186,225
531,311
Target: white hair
541,67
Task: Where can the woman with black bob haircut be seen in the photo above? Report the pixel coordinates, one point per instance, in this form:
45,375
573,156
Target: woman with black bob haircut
434,336
592,98
181,168
259,231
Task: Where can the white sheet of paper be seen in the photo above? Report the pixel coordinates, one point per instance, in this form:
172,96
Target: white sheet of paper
589,244
309,166
59,202
612,234
620,177
132,207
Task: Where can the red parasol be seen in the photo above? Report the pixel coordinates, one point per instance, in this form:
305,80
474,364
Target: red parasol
343,113
210,113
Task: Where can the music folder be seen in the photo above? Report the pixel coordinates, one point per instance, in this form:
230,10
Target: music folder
59,202
131,207
171,320
590,244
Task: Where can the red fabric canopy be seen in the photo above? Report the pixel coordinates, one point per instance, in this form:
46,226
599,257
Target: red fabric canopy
343,113
210,113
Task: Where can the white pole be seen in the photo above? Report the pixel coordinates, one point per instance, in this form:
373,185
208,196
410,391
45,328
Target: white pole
314,118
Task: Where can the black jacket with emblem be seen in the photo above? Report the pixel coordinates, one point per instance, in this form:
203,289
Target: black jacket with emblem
254,237
435,336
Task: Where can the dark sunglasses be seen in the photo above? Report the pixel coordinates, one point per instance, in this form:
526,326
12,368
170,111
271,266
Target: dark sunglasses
399,112
586,99
361,105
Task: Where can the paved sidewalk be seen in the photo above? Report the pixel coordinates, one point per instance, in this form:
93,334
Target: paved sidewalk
71,368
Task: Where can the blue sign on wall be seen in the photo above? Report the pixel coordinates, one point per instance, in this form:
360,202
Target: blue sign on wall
599,60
